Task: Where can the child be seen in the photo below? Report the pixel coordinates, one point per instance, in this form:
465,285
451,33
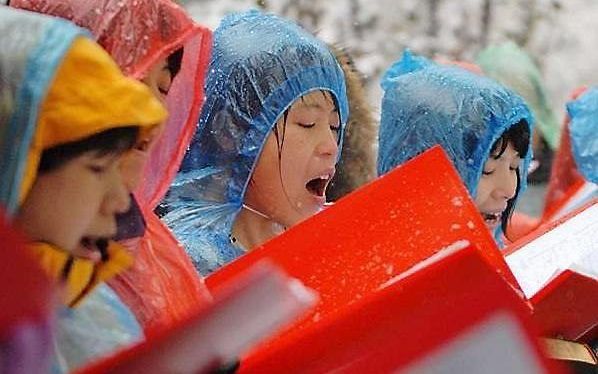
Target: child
66,135
157,43
483,127
268,139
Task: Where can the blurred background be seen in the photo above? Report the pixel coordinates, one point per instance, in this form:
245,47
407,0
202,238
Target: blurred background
560,35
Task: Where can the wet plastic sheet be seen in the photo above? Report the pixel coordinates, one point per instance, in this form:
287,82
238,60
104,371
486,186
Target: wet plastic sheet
566,179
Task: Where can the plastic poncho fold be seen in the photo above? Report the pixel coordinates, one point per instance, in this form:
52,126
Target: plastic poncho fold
583,129
513,67
260,65
425,104
138,34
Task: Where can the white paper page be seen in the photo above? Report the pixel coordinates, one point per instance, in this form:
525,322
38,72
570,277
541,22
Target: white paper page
571,245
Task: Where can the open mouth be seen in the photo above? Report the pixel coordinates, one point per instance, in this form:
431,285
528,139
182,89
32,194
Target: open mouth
92,246
317,186
492,219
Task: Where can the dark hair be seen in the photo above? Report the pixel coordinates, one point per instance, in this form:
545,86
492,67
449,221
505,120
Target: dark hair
174,62
112,141
518,136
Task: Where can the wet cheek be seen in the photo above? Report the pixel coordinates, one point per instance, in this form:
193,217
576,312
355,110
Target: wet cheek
75,220
481,194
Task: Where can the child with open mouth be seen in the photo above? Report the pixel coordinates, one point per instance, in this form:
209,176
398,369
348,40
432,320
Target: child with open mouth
482,126
268,140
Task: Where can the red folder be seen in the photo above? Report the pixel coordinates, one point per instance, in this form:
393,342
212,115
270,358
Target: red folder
26,307
566,304
26,294
245,311
568,307
353,247
451,313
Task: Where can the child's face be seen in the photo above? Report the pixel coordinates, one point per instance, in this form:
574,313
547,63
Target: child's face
159,79
498,184
75,201
290,179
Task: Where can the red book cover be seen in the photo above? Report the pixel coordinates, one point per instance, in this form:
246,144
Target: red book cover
27,294
352,248
244,312
568,307
452,313
28,299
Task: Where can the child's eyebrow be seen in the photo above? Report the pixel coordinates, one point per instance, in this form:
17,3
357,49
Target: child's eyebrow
318,106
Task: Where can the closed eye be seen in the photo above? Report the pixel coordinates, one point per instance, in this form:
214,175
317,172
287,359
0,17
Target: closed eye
97,169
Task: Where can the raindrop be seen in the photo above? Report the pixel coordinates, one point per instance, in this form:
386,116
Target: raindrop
457,201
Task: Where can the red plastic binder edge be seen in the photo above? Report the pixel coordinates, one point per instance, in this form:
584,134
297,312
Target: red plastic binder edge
177,348
553,213
568,307
310,351
31,294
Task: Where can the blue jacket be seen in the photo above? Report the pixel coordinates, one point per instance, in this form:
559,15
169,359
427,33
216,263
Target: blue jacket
425,104
260,65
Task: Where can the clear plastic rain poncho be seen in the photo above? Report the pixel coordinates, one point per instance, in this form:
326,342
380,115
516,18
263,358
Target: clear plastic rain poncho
425,104
513,67
137,34
584,133
260,65
33,49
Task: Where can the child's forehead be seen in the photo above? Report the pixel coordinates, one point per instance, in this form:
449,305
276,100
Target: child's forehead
317,100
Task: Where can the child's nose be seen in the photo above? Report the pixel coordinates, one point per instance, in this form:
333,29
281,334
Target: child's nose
506,187
118,199
328,145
